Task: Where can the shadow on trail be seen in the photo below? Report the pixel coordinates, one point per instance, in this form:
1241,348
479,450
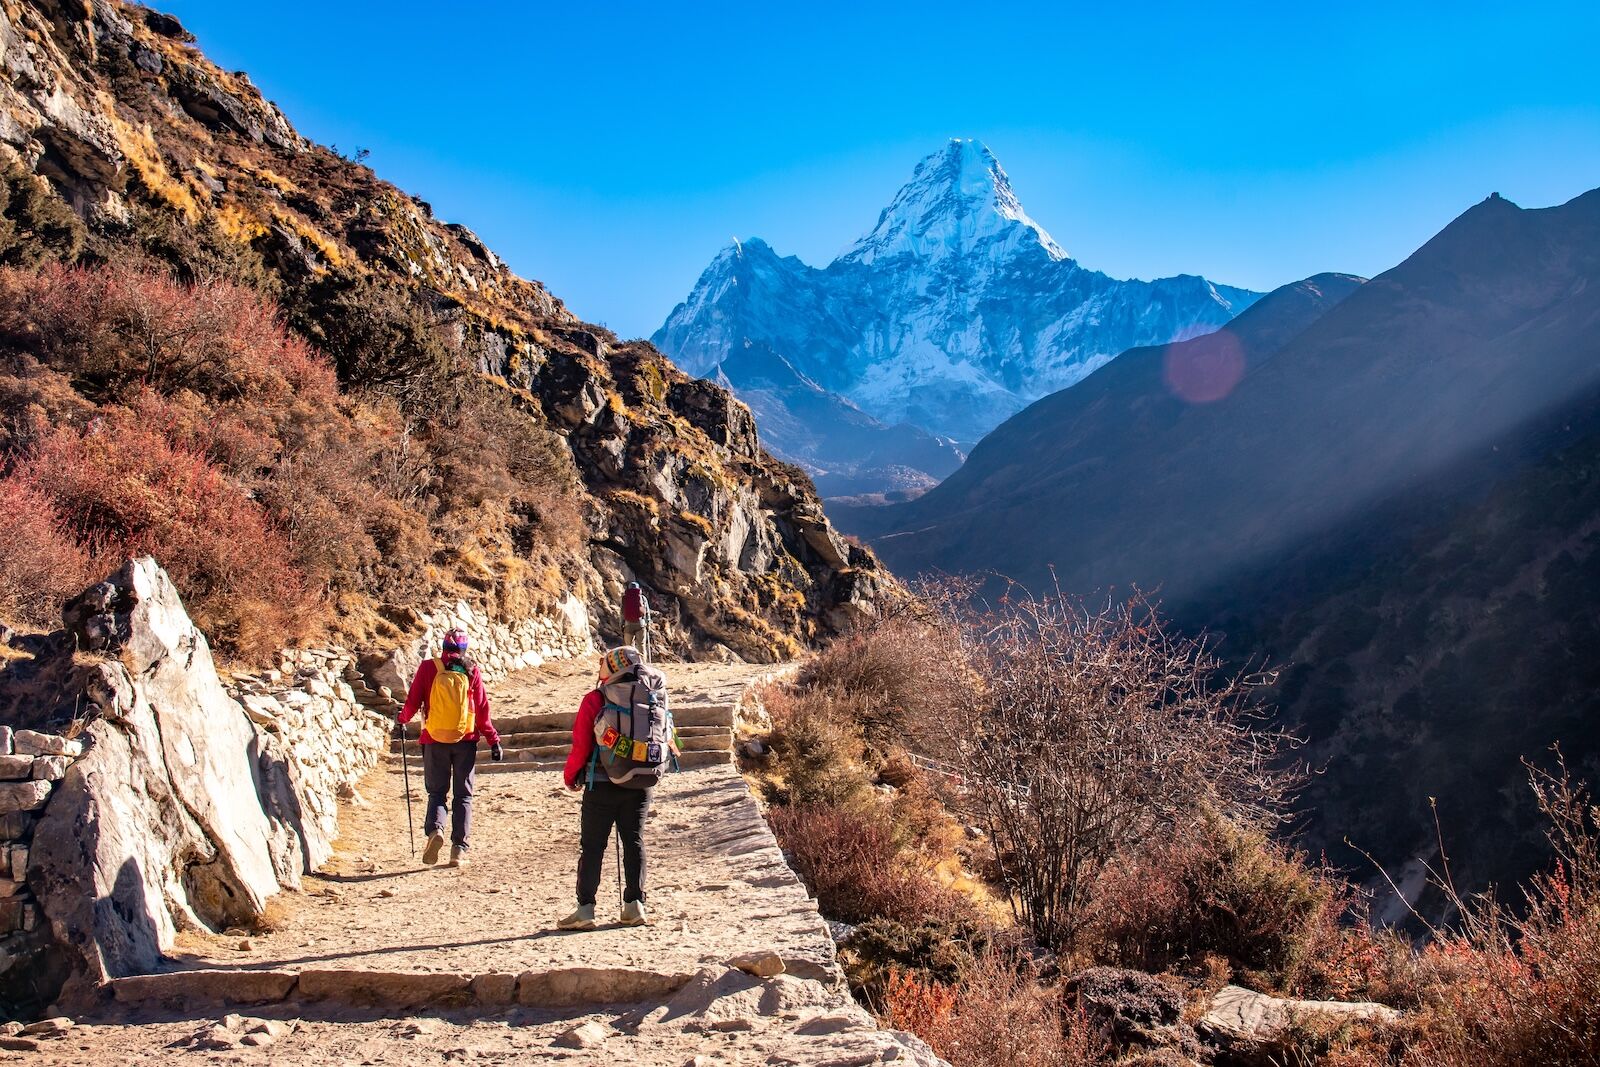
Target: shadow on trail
373,876
189,963
324,1012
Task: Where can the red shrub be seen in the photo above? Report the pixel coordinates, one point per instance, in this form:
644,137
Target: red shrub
1508,989
1220,890
116,329
850,859
124,487
41,564
999,1016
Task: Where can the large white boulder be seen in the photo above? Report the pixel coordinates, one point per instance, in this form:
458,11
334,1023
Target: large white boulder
163,824
209,744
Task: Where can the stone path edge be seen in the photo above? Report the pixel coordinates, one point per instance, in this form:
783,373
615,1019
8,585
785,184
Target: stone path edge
564,987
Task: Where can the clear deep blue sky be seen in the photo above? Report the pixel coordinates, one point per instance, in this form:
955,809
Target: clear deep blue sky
610,149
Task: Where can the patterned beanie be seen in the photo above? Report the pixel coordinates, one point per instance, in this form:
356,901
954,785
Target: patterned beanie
617,660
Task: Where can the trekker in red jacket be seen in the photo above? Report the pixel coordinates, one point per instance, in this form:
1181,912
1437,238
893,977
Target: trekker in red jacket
450,690
606,803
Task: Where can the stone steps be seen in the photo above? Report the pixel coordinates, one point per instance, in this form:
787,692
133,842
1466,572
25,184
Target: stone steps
555,759
540,741
717,714
689,737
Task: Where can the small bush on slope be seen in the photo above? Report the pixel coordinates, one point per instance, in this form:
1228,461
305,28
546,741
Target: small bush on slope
1219,890
900,673
999,1015
1508,989
820,747
858,871
41,563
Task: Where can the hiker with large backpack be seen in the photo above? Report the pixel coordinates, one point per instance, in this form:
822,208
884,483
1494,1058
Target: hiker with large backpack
636,618
623,744
449,690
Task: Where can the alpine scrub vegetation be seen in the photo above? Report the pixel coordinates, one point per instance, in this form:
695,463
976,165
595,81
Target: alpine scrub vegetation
1137,852
141,414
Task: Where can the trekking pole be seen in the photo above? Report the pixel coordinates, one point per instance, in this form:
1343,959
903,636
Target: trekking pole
405,772
617,832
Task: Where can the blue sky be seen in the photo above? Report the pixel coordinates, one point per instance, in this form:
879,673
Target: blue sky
610,149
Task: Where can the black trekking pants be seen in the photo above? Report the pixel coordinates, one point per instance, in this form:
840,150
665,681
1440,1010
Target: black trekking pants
606,805
449,768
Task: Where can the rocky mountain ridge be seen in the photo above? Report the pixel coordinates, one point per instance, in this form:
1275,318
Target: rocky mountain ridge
166,160
953,313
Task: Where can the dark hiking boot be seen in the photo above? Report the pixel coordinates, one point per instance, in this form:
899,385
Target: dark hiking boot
430,855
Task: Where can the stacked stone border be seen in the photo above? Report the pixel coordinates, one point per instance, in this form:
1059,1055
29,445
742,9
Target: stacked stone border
31,765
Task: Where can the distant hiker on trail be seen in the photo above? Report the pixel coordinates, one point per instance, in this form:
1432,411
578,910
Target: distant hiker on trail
636,617
451,691
622,745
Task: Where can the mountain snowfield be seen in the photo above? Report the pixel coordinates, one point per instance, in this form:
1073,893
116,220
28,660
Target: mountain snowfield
955,312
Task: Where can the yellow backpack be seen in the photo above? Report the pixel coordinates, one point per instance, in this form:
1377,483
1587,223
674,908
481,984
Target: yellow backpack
450,716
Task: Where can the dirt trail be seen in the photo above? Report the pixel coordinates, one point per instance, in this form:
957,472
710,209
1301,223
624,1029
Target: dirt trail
376,926
376,906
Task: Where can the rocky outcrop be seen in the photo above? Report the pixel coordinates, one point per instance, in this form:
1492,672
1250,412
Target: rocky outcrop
732,546
186,809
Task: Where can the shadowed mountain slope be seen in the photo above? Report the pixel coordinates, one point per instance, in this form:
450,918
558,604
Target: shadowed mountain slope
1391,496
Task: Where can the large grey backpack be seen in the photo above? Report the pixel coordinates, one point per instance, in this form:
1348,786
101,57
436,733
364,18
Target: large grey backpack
635,742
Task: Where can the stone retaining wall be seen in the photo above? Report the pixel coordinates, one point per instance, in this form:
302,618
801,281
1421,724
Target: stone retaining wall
498,647
31,764
329,734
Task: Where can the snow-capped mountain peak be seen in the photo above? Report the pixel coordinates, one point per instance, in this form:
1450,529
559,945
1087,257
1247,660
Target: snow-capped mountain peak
958,201
953,313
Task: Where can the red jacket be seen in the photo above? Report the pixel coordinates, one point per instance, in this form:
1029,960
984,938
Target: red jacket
417,700
582,738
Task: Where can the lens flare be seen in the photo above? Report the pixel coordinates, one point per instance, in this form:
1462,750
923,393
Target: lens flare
1206,369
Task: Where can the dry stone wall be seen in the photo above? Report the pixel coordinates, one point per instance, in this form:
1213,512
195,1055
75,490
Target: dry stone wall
31,765
498,647
325,736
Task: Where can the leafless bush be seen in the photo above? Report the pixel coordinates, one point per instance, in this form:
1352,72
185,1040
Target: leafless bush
903,669
1089,729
